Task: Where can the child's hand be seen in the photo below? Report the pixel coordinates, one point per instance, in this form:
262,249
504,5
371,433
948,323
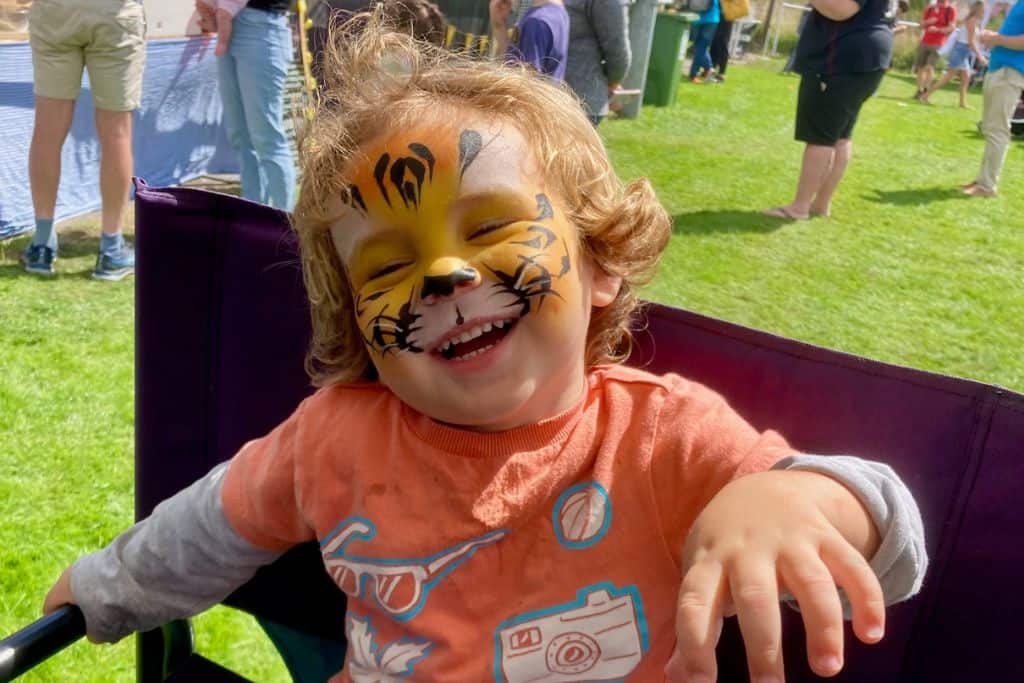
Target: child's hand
766,532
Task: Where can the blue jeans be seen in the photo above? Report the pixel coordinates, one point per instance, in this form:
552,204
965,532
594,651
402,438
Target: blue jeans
252,78
703,34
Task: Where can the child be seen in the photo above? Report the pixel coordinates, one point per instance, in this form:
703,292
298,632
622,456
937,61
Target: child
964,55
542,35
216,16
477,474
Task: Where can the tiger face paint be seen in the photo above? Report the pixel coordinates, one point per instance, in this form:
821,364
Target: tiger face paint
465,273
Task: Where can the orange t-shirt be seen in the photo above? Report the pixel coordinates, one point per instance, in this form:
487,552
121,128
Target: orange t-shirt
550,552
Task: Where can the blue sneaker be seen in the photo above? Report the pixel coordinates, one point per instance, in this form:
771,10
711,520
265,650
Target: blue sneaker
38,259
114,267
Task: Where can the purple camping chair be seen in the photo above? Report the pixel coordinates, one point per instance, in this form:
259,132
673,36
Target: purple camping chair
219,361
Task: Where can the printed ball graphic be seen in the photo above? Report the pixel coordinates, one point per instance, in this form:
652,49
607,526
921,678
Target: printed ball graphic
582,515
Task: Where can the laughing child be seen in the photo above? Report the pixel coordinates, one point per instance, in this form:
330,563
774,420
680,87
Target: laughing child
496,497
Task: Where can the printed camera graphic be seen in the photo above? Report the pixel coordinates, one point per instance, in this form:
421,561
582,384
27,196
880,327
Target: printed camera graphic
598,641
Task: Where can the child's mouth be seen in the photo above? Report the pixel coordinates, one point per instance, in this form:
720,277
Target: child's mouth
476,340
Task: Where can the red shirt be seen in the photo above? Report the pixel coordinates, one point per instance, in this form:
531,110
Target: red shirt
946,16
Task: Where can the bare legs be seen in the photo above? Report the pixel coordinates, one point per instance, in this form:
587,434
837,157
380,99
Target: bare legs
820,172
52,123
114,129
947,76
822,203
924,77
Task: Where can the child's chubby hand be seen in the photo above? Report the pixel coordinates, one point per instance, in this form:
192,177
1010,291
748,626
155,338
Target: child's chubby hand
760,535
60,594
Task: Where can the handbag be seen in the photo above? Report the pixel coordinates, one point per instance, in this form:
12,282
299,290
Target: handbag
735,9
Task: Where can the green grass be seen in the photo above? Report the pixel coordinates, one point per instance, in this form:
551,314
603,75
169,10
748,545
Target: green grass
907,271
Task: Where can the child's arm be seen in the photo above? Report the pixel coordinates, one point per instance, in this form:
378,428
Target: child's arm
807,531
197,546
179,561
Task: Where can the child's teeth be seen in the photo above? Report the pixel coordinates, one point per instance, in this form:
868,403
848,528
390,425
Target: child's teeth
486,327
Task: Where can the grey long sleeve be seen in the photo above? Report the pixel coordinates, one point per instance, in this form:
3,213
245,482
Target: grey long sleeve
179,561
901,560
186,557
599,51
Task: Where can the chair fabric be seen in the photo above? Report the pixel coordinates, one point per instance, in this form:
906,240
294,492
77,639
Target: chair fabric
222,327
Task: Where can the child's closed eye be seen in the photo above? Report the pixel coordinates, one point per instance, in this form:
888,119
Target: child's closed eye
387,269
488,228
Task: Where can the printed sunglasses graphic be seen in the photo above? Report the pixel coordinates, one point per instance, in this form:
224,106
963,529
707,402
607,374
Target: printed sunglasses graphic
400,586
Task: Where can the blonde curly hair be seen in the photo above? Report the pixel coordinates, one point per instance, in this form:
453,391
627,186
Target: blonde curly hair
377,80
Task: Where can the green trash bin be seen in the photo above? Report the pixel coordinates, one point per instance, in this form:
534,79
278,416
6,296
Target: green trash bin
668,50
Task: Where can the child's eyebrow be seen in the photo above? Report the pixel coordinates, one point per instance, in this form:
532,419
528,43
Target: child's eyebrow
508,194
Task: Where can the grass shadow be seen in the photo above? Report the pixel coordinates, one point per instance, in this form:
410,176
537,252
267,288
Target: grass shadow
706,222
915,197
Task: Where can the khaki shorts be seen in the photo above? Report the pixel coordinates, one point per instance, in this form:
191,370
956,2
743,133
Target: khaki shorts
106,36
926,55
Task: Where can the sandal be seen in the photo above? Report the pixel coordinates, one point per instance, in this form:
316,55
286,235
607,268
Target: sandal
785,213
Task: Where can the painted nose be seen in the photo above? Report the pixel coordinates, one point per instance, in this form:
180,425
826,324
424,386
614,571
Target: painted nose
445,277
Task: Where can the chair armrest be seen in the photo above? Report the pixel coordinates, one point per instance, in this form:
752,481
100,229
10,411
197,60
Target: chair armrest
39,641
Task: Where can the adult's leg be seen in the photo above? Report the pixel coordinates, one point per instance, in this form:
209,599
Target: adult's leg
114,129
261,45
704,34
816,166
237,127
720,47
946,77
821,205
52,123
965,81
925,67
1002,92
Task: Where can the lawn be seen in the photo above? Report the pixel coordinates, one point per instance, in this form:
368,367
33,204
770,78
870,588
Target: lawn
907,271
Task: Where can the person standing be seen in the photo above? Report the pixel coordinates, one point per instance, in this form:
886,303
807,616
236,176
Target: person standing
841,56
599,52
938,21
252,74
1004,83
703,33
107,37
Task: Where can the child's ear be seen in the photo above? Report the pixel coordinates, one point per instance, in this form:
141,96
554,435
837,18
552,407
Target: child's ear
604,287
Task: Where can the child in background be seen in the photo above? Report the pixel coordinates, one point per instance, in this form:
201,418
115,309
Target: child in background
215,16
476,468
541,36
965,54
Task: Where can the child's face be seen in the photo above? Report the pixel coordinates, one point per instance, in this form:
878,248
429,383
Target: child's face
470,290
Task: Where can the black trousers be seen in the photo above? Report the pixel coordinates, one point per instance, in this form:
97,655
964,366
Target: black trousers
720,47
